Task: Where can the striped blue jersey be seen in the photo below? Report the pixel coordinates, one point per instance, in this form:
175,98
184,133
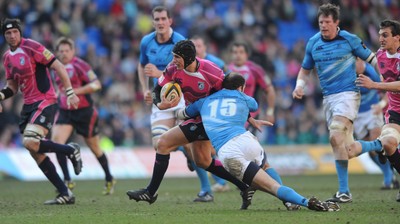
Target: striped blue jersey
369,96
155,53
224,114
335,60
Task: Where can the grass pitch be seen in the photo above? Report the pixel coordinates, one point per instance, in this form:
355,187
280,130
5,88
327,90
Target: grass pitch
22,202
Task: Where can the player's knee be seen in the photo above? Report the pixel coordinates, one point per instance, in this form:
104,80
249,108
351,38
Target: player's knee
250,173
202,163
337,131
390,138
234,167
31,137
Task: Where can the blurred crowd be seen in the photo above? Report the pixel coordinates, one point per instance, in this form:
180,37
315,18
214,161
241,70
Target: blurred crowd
107,34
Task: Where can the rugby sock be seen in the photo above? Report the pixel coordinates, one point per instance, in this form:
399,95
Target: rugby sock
288,194
272,173
62,161
216,178
203,177
367,146
160,167
50,172
49,146
104,163
343,176
394,159
217,169
386,170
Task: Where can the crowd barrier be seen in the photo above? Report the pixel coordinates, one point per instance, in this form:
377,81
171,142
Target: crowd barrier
131,163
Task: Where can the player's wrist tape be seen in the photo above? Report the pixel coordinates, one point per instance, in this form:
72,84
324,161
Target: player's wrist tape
270,111
382,104
6,93
300,83
69,91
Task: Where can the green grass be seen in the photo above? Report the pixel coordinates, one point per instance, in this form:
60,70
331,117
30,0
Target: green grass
22,202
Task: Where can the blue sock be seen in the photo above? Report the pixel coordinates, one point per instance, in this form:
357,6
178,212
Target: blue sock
272,173
343,175
50,172
218,180
203,177
62,161
288,194
386,170
367,146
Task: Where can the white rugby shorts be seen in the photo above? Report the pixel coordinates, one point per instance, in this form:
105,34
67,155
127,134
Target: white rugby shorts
242,149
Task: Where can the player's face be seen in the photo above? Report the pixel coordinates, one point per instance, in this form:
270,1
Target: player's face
161,22
65,53
328,27
239,55
200,47
13,37
388,41
178,61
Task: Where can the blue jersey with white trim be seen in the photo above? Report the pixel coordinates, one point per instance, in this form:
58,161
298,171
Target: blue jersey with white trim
335,60
224,114
159,54
369,96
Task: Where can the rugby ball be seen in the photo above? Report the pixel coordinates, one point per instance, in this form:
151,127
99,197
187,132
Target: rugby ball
171,90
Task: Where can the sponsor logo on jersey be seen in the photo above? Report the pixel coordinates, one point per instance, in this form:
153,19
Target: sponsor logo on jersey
200,85
47,54
398,66
22,60
42,119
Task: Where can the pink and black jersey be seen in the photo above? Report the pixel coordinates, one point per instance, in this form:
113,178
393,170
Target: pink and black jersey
254,76
389,66
80,73
205,81
28,66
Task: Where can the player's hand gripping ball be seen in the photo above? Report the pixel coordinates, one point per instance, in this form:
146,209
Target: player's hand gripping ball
171,90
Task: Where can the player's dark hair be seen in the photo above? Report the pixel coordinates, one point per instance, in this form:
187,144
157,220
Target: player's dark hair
160,8
241,44
392,24
233,80
329,9
64,40
8,23
186,50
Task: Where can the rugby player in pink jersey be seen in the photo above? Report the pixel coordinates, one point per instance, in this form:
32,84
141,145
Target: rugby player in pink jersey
84,119
197,78
26,64
388,57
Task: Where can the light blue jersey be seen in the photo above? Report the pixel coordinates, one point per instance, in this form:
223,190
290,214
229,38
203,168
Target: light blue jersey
219,62
369,96
155,53
224,114
335,60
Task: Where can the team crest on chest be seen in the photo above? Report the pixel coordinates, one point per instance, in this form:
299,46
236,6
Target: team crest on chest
200,85
22,60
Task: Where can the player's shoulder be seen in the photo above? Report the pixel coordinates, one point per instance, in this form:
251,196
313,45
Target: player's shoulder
79,61
146,39
347,35
29,43
176,37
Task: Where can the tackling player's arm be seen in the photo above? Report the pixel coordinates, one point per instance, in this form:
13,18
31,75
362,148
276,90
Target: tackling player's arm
72,99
